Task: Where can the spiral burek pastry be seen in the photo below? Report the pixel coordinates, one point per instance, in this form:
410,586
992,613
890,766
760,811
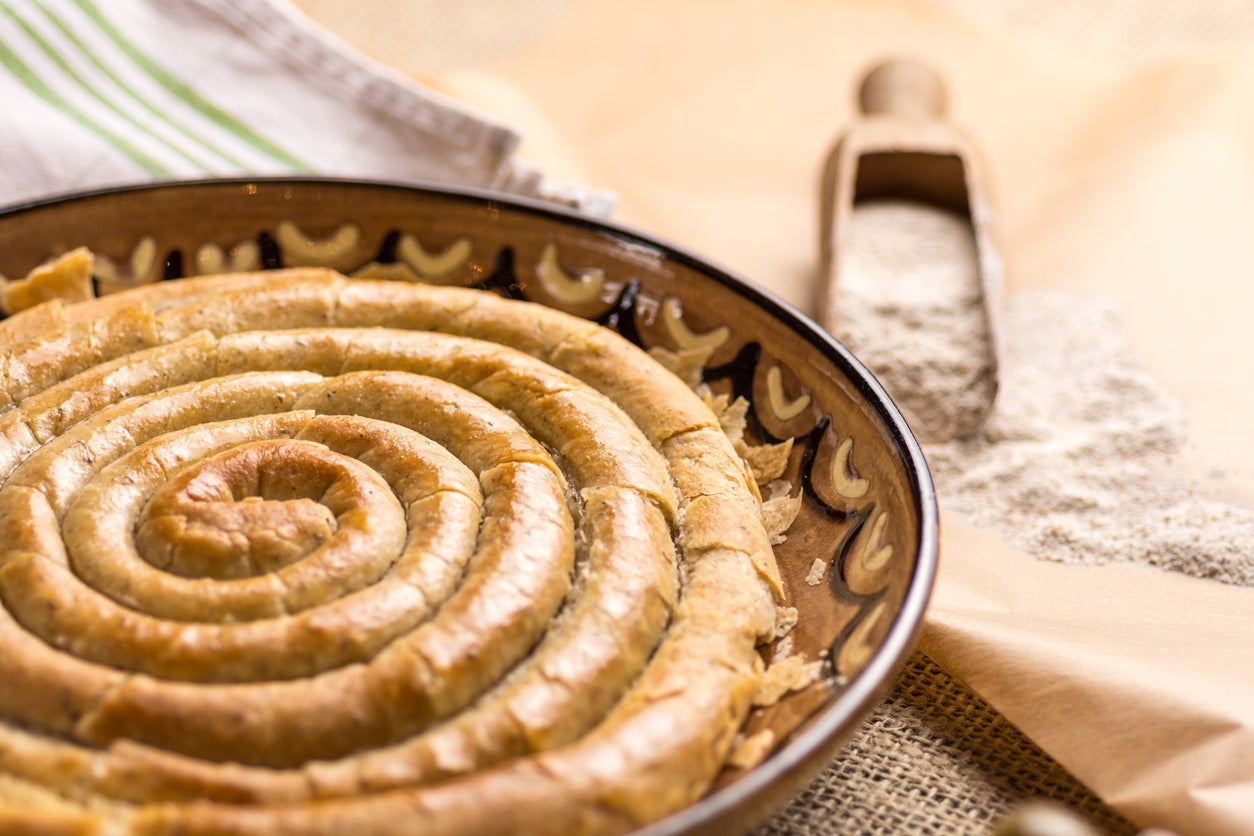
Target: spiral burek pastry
291,552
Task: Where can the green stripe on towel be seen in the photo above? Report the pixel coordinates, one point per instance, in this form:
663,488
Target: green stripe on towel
36,85
64,66
86,52
180,90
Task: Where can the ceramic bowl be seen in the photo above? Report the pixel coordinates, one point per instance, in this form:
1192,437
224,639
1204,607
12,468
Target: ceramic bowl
859,561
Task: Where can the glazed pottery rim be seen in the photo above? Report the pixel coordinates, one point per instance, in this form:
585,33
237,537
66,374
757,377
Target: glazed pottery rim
835,722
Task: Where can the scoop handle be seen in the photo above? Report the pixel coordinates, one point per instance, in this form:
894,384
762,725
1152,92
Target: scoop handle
902,87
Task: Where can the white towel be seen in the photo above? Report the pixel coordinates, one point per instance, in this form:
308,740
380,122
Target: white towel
97,93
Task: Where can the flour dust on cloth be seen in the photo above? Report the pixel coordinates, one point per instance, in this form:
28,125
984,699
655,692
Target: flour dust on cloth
98,94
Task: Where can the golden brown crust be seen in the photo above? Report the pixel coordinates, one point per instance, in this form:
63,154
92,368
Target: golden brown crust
435,558
65,279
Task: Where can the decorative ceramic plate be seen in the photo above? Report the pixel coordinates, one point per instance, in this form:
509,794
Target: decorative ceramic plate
856,560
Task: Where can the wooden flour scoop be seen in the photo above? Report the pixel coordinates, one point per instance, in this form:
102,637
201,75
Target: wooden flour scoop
910,279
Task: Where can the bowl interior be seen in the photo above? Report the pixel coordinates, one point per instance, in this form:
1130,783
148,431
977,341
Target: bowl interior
859,560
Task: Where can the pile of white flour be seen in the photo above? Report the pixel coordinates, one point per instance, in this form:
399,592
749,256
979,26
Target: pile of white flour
1075,461
910,306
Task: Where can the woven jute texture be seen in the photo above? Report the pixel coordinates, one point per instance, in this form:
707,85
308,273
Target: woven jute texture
934,758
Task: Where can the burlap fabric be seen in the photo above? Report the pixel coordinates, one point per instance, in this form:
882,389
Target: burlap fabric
934,758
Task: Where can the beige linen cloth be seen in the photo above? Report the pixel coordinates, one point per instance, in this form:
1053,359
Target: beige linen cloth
1121,167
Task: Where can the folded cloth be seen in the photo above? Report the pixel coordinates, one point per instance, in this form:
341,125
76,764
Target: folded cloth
98,94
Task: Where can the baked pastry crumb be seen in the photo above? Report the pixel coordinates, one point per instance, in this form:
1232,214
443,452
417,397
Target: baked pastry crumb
818,570
751,751
67,278
792,673
785,619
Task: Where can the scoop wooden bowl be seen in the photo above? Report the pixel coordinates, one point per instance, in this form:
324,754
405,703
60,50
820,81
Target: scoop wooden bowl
903,149
858,563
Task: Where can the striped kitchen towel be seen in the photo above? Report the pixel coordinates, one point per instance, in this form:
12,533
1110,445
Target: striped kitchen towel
96,93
